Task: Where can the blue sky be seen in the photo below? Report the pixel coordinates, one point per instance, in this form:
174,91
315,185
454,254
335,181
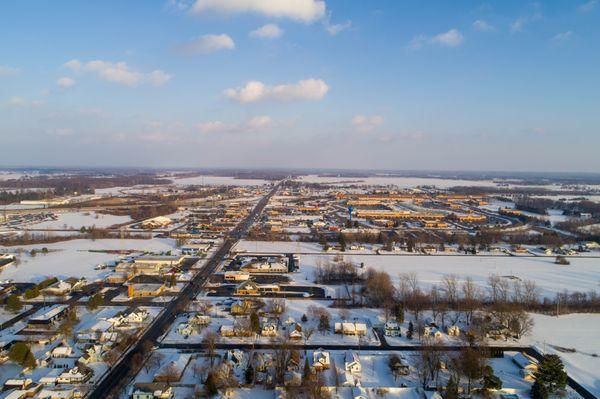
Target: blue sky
460,85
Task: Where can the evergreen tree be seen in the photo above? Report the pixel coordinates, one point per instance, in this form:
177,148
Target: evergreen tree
13,303
249,374
342,242
411,330
399,312
304,319
254,323
490,380
451,390
211,385
323,323
550,376
538,391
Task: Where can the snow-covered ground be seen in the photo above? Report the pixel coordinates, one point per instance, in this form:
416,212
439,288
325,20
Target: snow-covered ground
218,181
581,275
578,332
76,220
73,259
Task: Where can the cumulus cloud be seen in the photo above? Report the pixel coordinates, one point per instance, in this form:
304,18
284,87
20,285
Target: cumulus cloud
451,38
256,123
207,44
65,82
588,6
483,26
364,123
268,31
561,37
119,72
308,89
5,70
306,11
334,29
20,102
518,25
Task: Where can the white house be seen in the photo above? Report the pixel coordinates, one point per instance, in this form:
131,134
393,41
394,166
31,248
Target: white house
352,363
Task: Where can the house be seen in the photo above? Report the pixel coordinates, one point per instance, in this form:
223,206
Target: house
199,320
185,329
399,366
235,356
172,371
432,332
236,276
350,328
156,394
252,288
269,330
92,354
295,333
392,329
145,290
321,360
527,365
57,393
352,363
16,383
226,331
61,351
453,331
247,288
60,288
76,375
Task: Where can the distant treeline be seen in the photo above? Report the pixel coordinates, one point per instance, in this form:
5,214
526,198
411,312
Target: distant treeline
66,185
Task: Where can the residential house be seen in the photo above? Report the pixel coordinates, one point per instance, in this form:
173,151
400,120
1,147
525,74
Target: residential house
321,360
392,329
352,363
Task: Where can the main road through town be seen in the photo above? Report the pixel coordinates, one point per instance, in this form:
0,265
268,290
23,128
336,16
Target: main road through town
114,379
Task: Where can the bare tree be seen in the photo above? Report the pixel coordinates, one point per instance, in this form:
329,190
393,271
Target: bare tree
209,341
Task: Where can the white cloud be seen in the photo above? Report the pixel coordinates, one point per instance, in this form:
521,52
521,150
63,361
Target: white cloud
268,31
5,70
364,123
62,132
208,44
17,101
308,89
306,11
65,82
119,72
562,37
518,25
482,26
588,6
334,29
451,38
256,123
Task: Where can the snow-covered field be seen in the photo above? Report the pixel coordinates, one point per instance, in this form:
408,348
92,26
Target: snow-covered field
583,274
73,259
76,220
401,182
217,181
573,331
